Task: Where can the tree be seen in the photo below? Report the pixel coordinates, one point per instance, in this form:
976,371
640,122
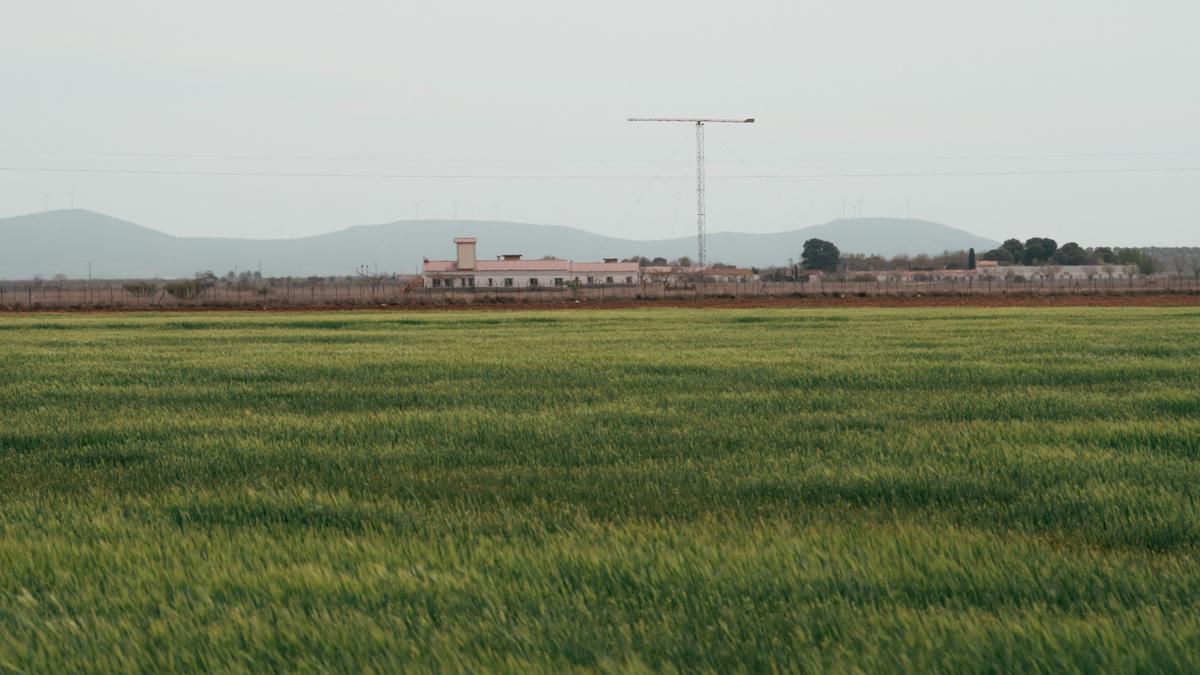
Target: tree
372,280
1102,255
971,259
1038,250
1001,255
819,254
1137,258
1016,250
1179,264
1070,253
185,289
141,289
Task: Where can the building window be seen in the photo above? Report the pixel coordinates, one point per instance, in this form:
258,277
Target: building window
608,280
533,282
558,281
629,280
437,283
590,280
491,281
508,281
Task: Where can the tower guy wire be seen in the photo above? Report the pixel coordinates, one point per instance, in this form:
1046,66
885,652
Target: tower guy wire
699,122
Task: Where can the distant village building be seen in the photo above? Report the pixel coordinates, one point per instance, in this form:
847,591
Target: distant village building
989,270
666,274
678,274
510,271
1061,272
730,274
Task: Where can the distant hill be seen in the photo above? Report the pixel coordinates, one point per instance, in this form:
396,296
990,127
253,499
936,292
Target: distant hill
65,241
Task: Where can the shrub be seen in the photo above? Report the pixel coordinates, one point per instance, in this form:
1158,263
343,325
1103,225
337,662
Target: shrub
185,289
140,289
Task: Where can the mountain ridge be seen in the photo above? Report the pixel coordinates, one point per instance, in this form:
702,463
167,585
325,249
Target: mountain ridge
74,241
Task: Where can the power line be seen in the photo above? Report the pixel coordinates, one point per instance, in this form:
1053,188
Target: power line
417,176
610,160
646,189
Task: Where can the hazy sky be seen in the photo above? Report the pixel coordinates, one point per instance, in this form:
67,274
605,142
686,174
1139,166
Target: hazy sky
542,88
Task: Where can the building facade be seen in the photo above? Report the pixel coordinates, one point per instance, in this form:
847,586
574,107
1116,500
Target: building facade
510,271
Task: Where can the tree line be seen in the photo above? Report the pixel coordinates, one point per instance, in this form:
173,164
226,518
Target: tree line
824,256
1045,251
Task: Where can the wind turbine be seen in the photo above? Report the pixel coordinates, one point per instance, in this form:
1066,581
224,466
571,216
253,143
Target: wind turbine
46,201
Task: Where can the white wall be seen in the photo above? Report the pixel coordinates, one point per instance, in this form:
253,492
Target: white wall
545,279
521,279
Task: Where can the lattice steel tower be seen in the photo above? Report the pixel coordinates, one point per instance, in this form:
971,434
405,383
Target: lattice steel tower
701,243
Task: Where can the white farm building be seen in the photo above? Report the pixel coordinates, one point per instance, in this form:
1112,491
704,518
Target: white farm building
509,271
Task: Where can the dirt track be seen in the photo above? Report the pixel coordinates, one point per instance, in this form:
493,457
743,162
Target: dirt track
816,301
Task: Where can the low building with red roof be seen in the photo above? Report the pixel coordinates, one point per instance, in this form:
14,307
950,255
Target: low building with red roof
510,271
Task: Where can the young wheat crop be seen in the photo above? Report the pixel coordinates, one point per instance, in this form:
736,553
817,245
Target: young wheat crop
879,490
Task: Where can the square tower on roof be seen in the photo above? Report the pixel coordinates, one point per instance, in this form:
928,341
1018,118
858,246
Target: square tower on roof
466,253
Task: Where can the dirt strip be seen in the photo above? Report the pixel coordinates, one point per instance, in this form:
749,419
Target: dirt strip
813,301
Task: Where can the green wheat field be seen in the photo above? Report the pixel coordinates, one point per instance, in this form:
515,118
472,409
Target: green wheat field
922,490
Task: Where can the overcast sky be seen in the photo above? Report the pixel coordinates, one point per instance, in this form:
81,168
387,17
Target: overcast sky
542,88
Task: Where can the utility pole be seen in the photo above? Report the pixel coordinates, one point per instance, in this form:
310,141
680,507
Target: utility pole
699,122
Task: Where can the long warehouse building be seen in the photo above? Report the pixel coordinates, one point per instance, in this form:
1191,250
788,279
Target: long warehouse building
510,271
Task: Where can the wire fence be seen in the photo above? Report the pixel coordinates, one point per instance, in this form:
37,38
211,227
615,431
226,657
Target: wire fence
301,293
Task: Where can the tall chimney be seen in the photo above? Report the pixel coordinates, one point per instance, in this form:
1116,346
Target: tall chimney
466,253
